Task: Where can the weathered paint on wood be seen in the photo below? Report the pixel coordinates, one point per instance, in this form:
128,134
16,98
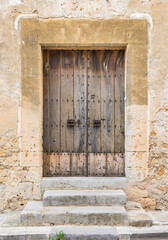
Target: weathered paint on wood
83,86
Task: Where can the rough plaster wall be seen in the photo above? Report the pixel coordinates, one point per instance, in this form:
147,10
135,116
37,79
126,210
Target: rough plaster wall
148,184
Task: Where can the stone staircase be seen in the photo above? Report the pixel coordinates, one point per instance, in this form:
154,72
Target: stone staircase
78,201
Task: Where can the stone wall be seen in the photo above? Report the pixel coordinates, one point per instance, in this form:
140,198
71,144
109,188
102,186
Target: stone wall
146,174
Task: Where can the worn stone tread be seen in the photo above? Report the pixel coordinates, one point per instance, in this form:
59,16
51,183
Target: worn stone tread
139,218
36,214
83,183
84,197
142,233
85,232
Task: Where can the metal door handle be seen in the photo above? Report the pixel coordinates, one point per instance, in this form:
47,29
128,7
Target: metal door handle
96,123
70,123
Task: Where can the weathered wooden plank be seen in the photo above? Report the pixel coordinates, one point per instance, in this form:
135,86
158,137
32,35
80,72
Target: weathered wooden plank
115,164
121,163
46,164
110,160
52,169
119,101
96,164
67,97
107,101
78,164
55,101
57,163
80,114
46,104
94,142
65,162
83,164
112,164
101,164
51,164
74,164
91,164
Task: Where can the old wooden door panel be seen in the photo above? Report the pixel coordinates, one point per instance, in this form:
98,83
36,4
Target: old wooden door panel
46,104
80,98
115,164
107,101
83,86
65,164
51,101
96,164
110,164
51,164
94,81
119,102
78,164
67,97
54,100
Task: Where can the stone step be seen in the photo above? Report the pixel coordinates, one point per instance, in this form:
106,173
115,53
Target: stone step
84,197
35,214
110,183
85,232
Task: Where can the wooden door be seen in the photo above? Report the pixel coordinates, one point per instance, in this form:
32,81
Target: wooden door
83,112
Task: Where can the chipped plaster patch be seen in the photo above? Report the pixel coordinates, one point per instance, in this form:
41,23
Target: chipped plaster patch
23,16
15,2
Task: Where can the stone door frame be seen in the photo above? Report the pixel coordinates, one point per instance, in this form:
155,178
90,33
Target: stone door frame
129,34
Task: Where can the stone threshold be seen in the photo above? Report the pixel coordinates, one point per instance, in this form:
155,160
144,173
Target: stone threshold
63,183
73,232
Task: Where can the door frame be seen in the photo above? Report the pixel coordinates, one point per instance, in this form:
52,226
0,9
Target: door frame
128,34
109,159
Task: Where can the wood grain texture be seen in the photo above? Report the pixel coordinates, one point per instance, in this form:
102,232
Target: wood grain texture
107,101
78,164
67,97
54,101
80,98
94,95
115,164
96,164
65,163
119,102
46,165
46,104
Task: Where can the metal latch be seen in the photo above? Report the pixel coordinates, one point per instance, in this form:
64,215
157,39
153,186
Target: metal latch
70,123
96,123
